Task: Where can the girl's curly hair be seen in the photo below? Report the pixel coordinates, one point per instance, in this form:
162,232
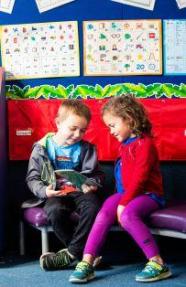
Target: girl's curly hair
129,108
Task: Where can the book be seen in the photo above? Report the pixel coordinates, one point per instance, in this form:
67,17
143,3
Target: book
74,178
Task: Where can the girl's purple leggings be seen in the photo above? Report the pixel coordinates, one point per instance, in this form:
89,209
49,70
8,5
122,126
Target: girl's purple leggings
132,220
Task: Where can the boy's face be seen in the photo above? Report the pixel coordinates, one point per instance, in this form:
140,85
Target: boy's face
118,127
71,129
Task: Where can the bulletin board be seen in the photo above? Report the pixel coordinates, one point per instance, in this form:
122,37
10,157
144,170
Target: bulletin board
122,47
174,47
40,50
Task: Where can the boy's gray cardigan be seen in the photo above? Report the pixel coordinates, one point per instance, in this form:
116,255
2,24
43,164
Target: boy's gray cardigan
40,172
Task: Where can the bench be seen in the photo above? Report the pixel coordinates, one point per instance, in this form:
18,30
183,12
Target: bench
170,221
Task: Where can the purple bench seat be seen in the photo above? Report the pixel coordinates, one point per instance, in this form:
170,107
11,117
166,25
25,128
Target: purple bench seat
170,221
172,217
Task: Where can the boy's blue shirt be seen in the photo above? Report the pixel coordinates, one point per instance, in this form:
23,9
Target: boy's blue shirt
63,157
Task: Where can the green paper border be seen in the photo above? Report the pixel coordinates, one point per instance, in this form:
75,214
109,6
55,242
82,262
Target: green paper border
155,90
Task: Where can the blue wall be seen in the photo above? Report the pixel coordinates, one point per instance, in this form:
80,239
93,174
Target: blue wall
25,11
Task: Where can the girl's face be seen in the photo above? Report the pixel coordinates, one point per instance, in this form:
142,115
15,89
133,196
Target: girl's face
71,130
118,127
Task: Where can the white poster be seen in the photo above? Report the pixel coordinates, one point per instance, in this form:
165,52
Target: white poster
45,5
174,47
7,6
40,50
181,3
145,4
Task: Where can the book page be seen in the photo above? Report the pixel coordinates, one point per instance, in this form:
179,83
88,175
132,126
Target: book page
75,177
69,177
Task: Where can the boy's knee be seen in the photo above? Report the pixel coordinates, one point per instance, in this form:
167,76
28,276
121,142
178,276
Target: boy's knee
55,213
92,210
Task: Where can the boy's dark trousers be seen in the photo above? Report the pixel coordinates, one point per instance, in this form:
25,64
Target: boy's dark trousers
59,209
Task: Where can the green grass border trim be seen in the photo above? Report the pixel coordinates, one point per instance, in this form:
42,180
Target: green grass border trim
156,90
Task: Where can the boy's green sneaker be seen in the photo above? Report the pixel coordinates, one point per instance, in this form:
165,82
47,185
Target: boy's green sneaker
153,272
83,273
55,261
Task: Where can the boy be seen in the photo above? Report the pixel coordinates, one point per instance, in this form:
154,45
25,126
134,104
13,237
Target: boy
65,149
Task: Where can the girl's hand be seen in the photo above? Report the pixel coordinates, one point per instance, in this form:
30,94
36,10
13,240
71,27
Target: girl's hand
120,209
88,188
51,193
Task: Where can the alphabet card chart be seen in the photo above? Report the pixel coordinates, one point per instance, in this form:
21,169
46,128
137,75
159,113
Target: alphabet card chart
174,47
40,50
122,47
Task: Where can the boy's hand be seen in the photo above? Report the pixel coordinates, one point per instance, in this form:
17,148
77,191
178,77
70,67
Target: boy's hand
120,209
88,188
52,193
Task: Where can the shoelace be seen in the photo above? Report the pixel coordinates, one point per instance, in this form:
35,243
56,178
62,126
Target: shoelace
82,266
151,268
60,259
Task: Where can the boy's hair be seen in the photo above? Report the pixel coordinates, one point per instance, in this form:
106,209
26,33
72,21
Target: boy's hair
128,108
75,107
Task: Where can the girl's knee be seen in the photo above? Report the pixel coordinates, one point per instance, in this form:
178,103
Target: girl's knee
104,217
127,219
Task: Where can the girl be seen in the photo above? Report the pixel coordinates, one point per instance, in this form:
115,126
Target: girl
139,190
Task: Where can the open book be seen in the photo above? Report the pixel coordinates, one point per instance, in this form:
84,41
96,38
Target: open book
73,178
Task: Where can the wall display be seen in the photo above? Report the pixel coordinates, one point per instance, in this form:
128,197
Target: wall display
146,4
181,3
45,5
174,47
122,47
40,50
7,6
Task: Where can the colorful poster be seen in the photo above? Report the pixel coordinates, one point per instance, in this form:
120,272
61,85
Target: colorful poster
122,47
174,47
45,5
145,4
40,50
7,6
181,3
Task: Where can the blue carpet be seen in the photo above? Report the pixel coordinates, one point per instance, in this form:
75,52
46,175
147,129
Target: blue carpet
17,273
